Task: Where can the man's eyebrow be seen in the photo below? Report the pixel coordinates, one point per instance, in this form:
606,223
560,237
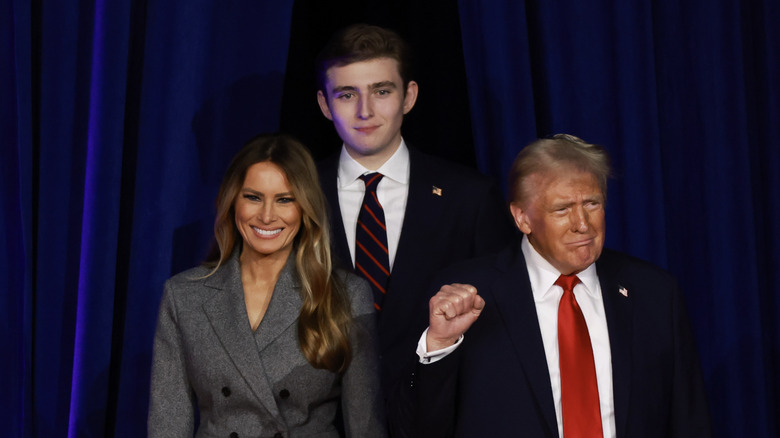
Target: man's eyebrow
382,84
343,88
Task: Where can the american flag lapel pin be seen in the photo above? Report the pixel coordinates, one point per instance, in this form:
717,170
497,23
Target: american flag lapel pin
623,291
436,191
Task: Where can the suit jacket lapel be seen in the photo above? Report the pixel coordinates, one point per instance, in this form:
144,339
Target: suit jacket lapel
328,170
619,312
423,210
226,312
515,304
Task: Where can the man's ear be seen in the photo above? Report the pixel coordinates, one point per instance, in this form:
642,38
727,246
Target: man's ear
323,101
410,97
521,218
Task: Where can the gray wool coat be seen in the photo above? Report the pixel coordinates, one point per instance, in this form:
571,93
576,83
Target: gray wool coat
242,383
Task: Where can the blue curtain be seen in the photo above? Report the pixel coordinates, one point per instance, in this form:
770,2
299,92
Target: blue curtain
117,119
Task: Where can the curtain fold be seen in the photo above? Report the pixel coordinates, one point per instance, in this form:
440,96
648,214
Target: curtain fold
16,235
122,119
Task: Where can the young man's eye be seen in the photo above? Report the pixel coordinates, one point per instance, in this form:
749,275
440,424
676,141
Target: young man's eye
383,92
345,96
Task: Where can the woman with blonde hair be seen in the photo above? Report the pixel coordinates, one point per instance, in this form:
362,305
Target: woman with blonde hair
266,338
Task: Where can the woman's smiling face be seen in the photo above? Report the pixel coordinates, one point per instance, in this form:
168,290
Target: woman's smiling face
266,213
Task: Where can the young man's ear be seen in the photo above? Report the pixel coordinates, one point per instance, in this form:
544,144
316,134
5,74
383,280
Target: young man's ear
410,97
323,101
521,217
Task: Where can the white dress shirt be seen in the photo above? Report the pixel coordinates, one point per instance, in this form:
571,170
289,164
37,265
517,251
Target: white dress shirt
546,298
392,192
588,294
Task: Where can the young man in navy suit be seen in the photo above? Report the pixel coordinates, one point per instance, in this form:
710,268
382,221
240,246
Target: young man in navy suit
565,338
435,213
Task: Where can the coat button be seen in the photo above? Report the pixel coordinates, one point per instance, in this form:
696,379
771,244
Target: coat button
233,435
284,393
226,393
278,435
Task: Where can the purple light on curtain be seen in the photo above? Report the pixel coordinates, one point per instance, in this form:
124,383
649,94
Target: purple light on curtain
92,343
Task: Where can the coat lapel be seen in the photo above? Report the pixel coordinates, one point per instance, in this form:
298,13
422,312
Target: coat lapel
618,306
423,213
284,308
226,312
515,304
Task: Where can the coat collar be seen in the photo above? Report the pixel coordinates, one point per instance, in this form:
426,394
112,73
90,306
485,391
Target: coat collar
424,209
226,312
619,309
514,303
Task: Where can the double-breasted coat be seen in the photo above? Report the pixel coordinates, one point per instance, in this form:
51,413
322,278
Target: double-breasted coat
245,383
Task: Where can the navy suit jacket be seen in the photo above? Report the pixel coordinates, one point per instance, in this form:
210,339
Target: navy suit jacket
468,219
497,382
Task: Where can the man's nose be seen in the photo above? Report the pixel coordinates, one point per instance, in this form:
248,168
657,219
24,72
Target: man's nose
365,108
579,219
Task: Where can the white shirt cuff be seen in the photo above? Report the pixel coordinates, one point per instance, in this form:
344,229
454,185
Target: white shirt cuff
433,356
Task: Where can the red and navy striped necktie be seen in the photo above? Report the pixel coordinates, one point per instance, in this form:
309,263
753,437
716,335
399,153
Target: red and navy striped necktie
371,257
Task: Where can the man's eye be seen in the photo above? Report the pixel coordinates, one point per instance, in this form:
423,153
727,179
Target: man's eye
345,96
383,92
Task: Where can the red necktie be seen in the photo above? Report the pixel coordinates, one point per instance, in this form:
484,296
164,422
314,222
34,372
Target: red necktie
371,256
579,391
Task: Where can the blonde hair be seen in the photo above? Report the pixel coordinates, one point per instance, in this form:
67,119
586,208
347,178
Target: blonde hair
554,153
325,317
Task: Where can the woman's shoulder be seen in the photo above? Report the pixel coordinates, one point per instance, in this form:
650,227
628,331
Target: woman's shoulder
358,291
190,277
188,289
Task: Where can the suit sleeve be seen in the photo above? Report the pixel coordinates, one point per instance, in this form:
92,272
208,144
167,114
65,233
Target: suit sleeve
361,398
423,406
690,414
172,403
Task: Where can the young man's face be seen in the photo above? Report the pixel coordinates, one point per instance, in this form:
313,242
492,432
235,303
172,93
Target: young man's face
366,102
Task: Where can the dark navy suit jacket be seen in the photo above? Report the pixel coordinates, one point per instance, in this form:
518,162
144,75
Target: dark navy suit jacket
467,220
497,383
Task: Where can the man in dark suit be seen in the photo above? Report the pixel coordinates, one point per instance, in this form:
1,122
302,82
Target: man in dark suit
435,213
565,338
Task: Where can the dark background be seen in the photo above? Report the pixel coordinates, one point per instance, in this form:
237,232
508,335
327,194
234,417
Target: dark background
118,118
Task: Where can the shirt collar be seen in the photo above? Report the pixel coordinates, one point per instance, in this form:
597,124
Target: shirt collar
543,275
395,168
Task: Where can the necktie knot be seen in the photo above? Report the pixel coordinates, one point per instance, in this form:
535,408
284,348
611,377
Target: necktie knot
567,282
371,180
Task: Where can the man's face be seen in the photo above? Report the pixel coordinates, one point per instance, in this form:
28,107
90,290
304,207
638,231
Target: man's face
366,102
564,218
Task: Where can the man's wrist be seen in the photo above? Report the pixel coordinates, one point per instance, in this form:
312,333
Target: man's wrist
427,357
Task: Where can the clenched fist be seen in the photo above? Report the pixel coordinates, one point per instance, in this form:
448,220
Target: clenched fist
451,312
